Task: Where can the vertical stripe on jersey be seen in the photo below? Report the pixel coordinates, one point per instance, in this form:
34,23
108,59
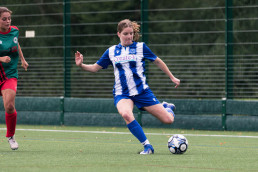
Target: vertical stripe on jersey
2,74
136,77
141,68
122,77
145,84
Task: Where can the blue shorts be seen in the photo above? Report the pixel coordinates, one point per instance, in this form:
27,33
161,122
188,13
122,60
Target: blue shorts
146,98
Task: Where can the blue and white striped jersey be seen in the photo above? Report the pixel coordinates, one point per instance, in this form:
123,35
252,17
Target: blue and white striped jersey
129,67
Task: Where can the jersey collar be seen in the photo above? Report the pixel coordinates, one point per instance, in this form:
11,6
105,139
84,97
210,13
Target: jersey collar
133,45
6,32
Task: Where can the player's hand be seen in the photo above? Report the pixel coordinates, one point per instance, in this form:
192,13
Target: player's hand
78,58
5,59
25,65
176,81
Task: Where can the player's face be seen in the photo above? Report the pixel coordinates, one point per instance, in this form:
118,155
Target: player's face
126,36
5,21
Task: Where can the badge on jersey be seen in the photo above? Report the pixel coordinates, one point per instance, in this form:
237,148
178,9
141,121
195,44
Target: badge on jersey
15,40
117,52
132,51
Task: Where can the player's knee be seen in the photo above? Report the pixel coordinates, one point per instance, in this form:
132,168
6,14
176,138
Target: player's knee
9,108
127,116
168,120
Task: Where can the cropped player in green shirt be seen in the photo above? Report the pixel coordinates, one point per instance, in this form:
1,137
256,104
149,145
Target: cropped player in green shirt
10,51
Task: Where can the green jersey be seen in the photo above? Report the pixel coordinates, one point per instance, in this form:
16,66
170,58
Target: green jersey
9,47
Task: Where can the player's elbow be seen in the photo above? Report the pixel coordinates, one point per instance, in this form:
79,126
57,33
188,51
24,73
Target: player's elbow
95,68
94,71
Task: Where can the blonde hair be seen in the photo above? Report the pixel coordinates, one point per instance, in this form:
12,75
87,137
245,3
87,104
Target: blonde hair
4,9
128,23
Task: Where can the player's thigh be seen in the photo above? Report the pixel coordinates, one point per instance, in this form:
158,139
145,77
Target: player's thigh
8,97
8,91
159,112
125,105
125,109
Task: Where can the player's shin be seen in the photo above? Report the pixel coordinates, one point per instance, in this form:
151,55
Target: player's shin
11,120
137,131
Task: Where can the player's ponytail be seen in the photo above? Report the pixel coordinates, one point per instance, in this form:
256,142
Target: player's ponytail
136,31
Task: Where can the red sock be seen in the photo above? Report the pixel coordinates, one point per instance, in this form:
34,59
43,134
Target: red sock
10,120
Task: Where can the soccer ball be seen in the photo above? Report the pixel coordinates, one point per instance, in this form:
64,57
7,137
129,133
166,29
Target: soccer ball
177,144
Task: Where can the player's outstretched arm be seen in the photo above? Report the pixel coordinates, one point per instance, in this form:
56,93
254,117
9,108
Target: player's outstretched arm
165,69
24,63
79,62
78,58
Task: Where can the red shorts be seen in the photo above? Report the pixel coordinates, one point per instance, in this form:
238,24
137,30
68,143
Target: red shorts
9,84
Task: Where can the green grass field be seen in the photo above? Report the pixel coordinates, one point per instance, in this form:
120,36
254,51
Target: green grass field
62,148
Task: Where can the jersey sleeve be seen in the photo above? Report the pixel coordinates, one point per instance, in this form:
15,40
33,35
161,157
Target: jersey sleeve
104,61
148,54
15,29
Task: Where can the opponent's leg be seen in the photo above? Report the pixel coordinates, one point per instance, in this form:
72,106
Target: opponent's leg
10,116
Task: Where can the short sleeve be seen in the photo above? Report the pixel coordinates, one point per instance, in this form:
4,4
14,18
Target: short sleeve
104,61
148,54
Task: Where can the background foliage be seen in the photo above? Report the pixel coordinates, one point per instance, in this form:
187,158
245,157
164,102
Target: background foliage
188,35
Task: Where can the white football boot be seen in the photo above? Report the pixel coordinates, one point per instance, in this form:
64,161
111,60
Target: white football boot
148,149
13,144
169,105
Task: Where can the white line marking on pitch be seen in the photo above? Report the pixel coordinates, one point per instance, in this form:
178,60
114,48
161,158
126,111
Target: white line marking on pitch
109,132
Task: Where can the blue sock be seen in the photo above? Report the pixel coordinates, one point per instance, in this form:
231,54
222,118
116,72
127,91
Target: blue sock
137,131
170,111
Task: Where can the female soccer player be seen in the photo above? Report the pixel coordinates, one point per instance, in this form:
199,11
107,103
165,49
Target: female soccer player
130,88
10,51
